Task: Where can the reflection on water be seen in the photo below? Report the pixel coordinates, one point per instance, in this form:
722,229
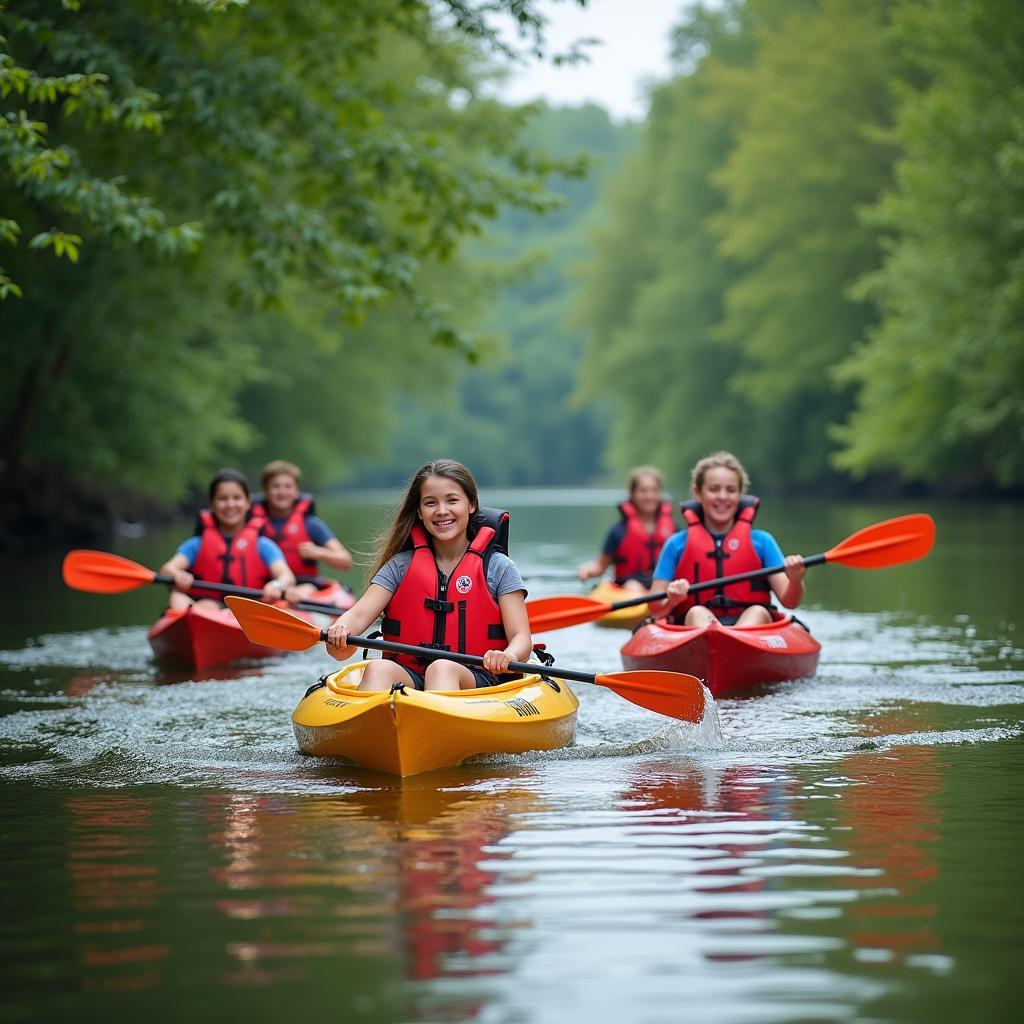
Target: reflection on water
581,890
893,819
254,892
401,865
844,848
115,888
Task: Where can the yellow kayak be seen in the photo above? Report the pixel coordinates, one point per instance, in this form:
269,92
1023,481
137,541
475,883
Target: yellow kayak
624,618
409,732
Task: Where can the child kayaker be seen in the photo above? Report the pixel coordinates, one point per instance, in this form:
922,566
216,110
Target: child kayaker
290,521
441,579
633,544
227,548
719,541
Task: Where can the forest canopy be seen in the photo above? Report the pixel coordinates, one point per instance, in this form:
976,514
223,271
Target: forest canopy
816,257
219,218
232,230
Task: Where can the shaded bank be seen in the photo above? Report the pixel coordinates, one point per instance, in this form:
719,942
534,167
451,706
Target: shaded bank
41,510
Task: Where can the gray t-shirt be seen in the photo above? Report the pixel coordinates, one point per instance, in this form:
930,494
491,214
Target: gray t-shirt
502,575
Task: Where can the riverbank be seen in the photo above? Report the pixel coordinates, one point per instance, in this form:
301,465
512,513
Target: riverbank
40,511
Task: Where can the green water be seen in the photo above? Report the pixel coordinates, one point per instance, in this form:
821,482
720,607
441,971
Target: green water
845,848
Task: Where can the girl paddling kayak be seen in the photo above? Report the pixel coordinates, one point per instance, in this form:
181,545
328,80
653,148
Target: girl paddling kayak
290,520
719,541
227,548
633,545
442,579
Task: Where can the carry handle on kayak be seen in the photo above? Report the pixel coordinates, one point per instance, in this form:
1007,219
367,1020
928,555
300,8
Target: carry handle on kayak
891,542
673,694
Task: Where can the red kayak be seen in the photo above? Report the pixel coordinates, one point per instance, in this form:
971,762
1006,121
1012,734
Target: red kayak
727,658
203,636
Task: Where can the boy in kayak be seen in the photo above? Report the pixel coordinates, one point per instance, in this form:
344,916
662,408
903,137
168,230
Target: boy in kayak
442,579
633,544
719,541
289,519
227,548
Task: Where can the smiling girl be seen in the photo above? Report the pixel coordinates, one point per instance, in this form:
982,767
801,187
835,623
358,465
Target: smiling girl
290,521
227,548
442,579
719,541
633,544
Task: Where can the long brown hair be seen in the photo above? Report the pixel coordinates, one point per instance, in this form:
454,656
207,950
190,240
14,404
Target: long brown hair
407,511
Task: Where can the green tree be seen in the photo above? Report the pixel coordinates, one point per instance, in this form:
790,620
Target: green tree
188,177
651,291
805,161
941,378
716,302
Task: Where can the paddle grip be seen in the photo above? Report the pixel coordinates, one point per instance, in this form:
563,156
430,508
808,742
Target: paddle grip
472,660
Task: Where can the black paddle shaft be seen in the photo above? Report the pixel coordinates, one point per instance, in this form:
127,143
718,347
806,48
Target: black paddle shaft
473,660
230,588
721,582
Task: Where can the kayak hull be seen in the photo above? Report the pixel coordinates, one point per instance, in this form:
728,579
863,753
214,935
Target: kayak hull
205,635
727,658
409,732
624,618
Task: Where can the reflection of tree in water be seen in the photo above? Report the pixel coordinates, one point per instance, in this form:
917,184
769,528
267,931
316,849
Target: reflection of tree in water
884,817
891,812
388,877
699,808
82,683
115,889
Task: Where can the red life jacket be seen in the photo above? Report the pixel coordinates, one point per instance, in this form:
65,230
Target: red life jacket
705,558
292,533
420,611
222,561
637,553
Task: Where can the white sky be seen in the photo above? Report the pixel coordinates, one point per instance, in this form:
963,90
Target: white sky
634,48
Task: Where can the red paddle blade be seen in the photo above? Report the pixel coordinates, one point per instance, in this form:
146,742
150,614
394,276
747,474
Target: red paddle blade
272,627
888,543
101,573
673,694
560,612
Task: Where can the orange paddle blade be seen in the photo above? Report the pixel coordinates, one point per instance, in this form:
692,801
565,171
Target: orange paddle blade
101,573
273,627
560,612
674,694
892,542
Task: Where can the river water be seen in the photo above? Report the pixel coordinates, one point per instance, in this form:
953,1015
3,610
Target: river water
845,848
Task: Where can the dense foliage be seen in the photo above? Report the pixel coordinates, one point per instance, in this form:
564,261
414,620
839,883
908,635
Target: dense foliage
205,205
232,230
941,378
816,258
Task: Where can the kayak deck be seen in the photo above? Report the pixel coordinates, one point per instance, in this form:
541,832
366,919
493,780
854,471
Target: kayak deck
409,731
623,618
203,636
727,658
